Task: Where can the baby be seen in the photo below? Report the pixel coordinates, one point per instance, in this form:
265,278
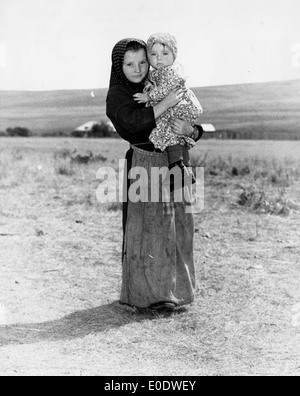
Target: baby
164,76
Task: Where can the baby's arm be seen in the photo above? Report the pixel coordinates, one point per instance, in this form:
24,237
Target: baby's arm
152,97
142,97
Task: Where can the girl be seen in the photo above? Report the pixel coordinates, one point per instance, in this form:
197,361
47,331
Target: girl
158,262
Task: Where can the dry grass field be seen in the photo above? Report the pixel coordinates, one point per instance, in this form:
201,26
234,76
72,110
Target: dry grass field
60,270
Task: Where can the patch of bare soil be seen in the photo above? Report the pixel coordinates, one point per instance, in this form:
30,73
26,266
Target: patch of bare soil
60,277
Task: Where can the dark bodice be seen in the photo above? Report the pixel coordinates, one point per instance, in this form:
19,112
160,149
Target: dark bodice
133,122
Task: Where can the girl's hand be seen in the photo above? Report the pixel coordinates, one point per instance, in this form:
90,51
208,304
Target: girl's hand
181,127
141,97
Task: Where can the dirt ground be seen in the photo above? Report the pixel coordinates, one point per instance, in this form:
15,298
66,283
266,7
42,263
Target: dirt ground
60,271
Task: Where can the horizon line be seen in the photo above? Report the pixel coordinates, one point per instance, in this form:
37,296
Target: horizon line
106,88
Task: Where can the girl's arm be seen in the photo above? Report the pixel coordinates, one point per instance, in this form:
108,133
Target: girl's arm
131,117
169,101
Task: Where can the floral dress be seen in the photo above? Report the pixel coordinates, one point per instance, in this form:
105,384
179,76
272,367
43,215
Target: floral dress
161,82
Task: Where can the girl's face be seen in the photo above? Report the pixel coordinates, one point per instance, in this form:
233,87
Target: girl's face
135,65
160,55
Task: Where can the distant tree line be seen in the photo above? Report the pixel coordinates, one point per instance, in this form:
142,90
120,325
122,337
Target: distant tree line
18,131
254,134
105,130
101,130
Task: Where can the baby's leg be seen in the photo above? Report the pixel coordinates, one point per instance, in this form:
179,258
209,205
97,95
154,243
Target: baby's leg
175,154
187,162
179,158
178,153
185,156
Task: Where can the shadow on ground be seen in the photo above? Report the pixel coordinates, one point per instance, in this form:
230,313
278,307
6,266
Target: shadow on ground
76,325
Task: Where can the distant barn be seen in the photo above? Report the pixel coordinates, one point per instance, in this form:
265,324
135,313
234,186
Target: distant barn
95,129
85,129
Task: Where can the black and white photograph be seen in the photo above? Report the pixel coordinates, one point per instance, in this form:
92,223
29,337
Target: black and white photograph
149,190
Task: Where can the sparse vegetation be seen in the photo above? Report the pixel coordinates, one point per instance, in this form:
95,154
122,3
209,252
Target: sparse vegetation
99,158
265,203
62,153
114,206
78,156
55,134
263,182
61,266
64,168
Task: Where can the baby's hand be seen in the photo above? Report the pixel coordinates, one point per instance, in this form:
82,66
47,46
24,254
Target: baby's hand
141,97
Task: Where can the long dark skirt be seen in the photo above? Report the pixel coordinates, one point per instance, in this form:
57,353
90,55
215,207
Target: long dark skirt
158,259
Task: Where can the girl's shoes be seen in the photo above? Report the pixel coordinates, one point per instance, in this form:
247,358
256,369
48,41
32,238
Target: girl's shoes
163,307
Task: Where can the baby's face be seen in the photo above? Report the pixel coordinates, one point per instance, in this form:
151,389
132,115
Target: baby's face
160,56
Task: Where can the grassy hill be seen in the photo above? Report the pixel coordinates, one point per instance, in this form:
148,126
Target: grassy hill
258,111
50,111
264,110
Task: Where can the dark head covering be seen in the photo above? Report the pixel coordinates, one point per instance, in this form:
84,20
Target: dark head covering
117,75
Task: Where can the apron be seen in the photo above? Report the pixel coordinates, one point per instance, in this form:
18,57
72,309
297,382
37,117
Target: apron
158,257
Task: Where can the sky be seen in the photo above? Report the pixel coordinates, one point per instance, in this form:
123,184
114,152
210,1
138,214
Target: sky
67,44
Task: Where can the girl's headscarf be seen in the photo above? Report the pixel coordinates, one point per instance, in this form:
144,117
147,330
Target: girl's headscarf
117,75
